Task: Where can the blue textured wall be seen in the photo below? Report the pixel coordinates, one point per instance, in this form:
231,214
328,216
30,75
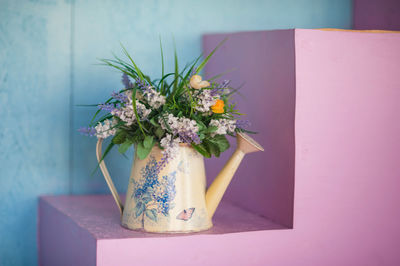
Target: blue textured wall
48,51
34,119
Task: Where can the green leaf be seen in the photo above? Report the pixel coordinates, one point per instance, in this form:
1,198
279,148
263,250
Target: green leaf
201,125
124,146
211,129
142,151
152,214
119,137
213,148
159,132
148,142
202,150
221,141
153,122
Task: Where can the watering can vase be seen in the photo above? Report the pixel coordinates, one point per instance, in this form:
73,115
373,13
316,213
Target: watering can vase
174,198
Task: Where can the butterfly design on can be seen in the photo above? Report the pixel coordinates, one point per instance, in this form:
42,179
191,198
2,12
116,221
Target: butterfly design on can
186,214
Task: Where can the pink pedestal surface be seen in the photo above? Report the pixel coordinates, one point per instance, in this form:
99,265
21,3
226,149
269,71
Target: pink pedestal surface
327,107
85,230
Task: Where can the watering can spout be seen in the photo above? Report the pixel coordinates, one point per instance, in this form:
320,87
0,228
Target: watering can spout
214,194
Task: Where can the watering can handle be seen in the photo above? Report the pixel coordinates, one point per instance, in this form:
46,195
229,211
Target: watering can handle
107,176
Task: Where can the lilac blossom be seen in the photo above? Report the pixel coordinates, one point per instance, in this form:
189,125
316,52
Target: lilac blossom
223,125
185,128
106,129
153,97
127,113
205,98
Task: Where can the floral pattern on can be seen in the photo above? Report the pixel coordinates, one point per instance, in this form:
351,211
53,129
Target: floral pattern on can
154,195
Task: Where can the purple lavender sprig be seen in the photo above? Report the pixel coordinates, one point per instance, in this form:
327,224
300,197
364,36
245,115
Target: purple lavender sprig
126,81
87,131
224,84
109,107
242,124
189,137
141,84
193,72
120,97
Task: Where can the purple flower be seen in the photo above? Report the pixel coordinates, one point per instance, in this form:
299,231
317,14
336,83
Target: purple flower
87,131
215,92
189,137
193,72
120,97
241,124
126,81
141,84
107,107
224,84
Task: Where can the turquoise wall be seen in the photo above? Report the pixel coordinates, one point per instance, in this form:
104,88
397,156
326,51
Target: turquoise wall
48,51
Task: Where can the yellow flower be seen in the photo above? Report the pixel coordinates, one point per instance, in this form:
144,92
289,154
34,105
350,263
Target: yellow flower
218,107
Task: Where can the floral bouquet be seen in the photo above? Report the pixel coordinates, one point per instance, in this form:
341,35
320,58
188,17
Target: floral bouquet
180,107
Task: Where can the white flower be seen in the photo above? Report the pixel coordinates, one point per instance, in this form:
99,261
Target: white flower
204,100
170,145
127,114
105,130
224,126
185,128
153,97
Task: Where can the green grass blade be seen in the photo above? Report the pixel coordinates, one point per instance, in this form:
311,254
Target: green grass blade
202,65
222,74
162,67
140,74
176,68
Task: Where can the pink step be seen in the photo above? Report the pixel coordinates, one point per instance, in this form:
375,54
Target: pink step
327,108
85,230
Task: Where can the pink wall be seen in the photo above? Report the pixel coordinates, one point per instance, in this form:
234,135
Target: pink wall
265,63
376,14
347,144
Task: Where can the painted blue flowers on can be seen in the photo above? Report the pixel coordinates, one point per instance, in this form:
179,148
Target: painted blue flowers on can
153,195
